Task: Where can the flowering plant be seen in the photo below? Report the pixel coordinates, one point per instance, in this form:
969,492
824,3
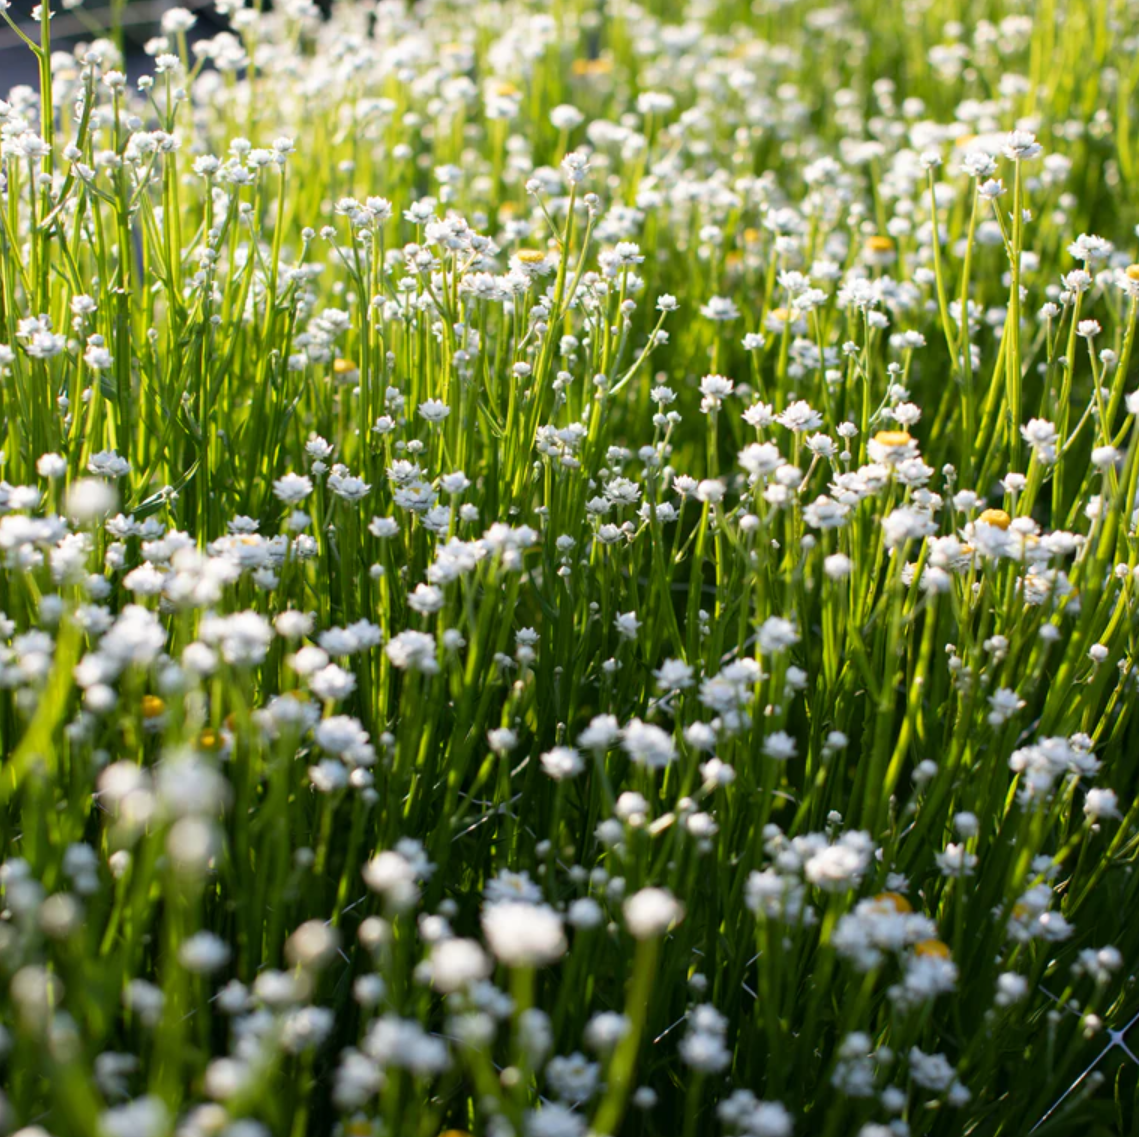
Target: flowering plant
570,570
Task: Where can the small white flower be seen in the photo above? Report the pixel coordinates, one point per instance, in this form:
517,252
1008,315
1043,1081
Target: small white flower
292,488
562,763
627,625
433,410
524,935
651,912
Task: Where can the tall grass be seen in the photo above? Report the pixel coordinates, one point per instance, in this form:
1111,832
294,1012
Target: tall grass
572,569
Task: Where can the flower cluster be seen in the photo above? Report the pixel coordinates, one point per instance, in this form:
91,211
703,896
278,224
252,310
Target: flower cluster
567,571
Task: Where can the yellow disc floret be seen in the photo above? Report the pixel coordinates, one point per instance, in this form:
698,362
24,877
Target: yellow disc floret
932,948
893,438
152,706
895,900
997,518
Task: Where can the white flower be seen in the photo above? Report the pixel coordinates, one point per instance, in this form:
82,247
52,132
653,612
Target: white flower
648,745
573,1078
1020,144
383,527
711,491
566,117
456,963
760,458
605,1030
1011,988
411,650
433,410
777,634
332,683
348,487
627,625
396,877
203,953
524,935
1005,704
562,763
720,309
51,465
651,912
715,389
554,1120
906,524
780,746
1100,804
144,1117
90,499
799,417
837,867
108,464
426,599
603,731
292,488
674,675
706,1053
931,1071
956,860
575,167
1042,437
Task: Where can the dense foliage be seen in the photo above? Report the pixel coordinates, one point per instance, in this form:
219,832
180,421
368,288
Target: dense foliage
572,569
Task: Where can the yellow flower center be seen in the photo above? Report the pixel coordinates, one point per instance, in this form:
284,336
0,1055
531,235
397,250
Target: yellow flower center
893,438
932,948
152,706
997,518
896,901
583,67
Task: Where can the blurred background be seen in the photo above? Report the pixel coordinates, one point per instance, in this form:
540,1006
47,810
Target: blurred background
139,20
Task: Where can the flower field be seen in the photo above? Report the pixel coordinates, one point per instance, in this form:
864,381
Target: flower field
570,570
